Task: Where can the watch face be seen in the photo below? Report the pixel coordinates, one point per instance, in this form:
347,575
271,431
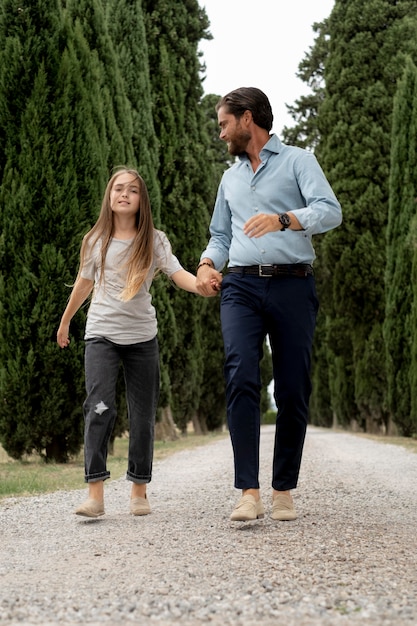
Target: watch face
285,220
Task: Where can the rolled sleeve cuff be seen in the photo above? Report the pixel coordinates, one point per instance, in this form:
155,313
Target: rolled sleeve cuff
315,222
216,256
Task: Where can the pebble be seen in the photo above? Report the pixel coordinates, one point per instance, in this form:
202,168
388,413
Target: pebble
349,559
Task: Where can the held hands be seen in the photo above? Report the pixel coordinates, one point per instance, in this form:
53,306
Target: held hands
62,335
208,281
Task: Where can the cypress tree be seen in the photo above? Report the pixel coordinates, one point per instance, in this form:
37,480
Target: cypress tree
399,330
90,17
126,23
366,57
174,30
50,188
411,426
305,133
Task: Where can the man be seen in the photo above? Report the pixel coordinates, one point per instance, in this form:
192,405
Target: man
268,206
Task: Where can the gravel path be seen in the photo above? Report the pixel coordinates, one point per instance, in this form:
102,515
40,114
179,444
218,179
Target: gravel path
350,558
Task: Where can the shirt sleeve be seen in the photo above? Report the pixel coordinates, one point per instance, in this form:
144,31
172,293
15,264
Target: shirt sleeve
322,210
165,259
221,232
88,269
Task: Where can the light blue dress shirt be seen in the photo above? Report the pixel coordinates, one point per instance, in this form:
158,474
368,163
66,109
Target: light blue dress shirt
288,179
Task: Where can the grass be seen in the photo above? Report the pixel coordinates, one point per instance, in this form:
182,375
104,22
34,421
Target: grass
32,476
409,443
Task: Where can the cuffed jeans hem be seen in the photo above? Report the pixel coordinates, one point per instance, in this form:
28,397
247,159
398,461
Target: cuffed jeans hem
139,480
94,478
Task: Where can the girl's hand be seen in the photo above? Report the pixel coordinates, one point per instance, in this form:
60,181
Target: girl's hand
62,335
209,281
215,284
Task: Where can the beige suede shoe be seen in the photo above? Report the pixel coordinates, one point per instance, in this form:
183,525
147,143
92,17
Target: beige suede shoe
247,509
140,506
283,508
90,508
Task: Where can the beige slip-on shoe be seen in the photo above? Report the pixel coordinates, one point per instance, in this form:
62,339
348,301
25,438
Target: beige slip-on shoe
90,508
247,509
140,506
283,508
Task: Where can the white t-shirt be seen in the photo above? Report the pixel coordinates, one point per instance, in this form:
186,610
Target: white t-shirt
118,321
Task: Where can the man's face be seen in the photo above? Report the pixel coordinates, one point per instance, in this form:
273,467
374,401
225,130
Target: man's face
232,132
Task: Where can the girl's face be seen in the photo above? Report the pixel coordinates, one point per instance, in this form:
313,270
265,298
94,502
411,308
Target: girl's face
124,195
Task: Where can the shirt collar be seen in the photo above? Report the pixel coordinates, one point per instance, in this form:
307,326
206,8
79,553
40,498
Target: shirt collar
274,145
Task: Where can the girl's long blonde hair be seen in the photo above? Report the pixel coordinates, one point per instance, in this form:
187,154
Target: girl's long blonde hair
140,258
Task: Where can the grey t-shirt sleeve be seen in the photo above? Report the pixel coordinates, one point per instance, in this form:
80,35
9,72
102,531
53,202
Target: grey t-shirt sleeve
165,260
88,269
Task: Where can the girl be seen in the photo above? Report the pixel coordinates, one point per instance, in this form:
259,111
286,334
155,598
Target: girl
119,257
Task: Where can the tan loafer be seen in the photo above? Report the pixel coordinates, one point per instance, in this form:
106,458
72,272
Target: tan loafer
90,508
140,506
283,508
247,509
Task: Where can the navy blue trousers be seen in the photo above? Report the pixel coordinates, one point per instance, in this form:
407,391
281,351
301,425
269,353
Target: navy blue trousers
285,309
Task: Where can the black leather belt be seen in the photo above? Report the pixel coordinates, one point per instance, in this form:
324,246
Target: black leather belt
266,271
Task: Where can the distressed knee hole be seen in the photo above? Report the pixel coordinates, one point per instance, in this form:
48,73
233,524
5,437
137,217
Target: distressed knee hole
100,408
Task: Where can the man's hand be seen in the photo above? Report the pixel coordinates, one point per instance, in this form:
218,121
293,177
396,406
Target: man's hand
208,281
264,223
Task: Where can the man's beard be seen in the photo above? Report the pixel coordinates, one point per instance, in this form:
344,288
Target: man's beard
238,144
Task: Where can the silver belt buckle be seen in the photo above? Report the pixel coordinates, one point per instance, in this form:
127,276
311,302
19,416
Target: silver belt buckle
261,271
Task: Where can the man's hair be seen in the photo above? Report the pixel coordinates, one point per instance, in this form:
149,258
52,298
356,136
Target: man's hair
248,99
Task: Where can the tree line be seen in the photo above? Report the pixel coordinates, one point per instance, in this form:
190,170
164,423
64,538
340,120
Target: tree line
360,118
87,86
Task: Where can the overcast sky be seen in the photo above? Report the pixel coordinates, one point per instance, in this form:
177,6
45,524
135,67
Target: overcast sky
259,43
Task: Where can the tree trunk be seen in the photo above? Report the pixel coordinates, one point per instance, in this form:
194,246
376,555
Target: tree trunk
165,429
199,426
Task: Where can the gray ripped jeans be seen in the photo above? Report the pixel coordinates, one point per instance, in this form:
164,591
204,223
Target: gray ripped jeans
141,372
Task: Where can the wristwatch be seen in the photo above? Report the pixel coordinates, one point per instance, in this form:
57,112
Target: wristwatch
285,220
